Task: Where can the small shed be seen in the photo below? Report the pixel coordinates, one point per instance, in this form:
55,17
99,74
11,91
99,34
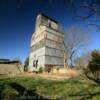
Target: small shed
10,67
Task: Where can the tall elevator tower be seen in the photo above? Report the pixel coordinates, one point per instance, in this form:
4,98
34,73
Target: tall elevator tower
47,48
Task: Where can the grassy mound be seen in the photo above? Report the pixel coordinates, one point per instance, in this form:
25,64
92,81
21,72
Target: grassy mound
29,88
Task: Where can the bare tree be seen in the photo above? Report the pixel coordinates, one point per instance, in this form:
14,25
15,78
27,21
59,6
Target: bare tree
87,10
82,61
74,41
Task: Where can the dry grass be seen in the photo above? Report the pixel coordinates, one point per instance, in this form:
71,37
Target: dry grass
60,74
71,73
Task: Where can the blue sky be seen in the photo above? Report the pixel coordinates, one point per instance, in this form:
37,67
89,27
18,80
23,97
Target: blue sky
17,20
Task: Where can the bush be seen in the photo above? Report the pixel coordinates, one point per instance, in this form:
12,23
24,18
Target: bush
40,70
48,69
26,64
93,68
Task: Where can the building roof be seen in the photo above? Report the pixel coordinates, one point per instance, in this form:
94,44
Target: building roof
4,60
8,61
48,17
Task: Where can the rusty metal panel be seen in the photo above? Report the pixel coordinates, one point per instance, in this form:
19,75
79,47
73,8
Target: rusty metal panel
54,52
55,37
54,44
54,60
54,32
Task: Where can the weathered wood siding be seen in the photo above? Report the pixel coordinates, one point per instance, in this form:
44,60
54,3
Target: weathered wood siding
46,44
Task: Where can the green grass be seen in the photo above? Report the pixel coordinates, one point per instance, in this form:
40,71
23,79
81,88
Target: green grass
17,88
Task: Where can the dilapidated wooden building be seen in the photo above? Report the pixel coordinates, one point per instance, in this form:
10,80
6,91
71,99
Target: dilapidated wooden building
10,67
47,48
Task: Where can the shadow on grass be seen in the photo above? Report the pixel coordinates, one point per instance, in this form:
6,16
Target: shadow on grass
84,94
24,94
15,91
